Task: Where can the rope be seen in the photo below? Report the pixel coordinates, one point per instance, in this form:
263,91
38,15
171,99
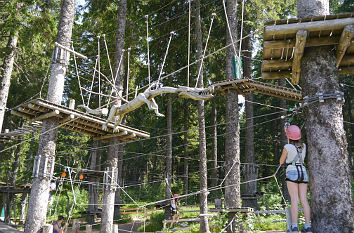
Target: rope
78,77
164,59
128,69
109,59
93,79
228,26
189,39
99,70
242,14
206,45
148,50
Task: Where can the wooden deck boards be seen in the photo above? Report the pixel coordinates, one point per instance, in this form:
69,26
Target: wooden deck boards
280,43
77,121
246,86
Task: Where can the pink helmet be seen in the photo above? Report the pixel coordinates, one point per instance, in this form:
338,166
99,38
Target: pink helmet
293,132
175,195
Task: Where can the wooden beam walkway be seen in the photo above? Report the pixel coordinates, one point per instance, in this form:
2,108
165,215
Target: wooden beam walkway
246,86
71,119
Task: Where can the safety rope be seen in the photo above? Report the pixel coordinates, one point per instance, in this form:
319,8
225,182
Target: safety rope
128,71
99,70
148,49
205,48
189,40
78,76
92,82
164,59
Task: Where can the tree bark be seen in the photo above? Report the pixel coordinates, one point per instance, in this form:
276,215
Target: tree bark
109,196
331,198
110,187
93,191
283,141
119,180
186,154
232,140
204,224
251,171
5,75
39,196
168,162
214,171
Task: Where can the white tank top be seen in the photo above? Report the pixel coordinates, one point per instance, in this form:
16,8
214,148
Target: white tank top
292,152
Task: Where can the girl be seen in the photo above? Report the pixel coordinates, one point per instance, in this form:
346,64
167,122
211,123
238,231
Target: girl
296,176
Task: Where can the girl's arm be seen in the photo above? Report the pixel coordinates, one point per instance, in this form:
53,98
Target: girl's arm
283,157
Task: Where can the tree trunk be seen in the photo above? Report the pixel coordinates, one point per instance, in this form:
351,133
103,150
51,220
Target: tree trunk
186,154
122,12
232,140
204,224
38,202
93,190
251,171
168,162
6,72
283,141
12,183
119,180
331,198
24,200
348,100
110,187
119,83
214,171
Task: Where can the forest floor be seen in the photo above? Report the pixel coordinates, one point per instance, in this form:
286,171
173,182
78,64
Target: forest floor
4,228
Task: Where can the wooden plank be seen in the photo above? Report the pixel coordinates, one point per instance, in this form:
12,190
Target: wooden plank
21,114
36,107
310,42
120,134
346,70
276,75
335,24
54,113
347,60
68,118
344,42
75,129
275,65
90,118
301,36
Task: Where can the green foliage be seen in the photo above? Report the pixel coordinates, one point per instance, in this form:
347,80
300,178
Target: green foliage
154,223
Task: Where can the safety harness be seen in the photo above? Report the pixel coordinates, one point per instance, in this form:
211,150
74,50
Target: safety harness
298,162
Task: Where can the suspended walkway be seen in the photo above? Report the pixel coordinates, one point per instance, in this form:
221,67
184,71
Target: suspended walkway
77,121
246,86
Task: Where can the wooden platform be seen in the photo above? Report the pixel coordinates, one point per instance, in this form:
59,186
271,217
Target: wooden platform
285,41
71,119
246,86
25,129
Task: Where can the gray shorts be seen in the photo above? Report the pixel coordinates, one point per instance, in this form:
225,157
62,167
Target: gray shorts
297,176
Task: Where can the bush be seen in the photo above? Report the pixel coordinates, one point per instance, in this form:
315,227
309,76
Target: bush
154,223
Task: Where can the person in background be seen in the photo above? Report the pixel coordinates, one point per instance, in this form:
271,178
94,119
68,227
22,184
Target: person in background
296,177
57,228
174,210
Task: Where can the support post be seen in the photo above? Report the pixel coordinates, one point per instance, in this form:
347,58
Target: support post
88,228
76,226
344,42
288,217
47,228
115,228
301,36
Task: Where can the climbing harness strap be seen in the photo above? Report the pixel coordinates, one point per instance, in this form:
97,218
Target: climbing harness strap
298,162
